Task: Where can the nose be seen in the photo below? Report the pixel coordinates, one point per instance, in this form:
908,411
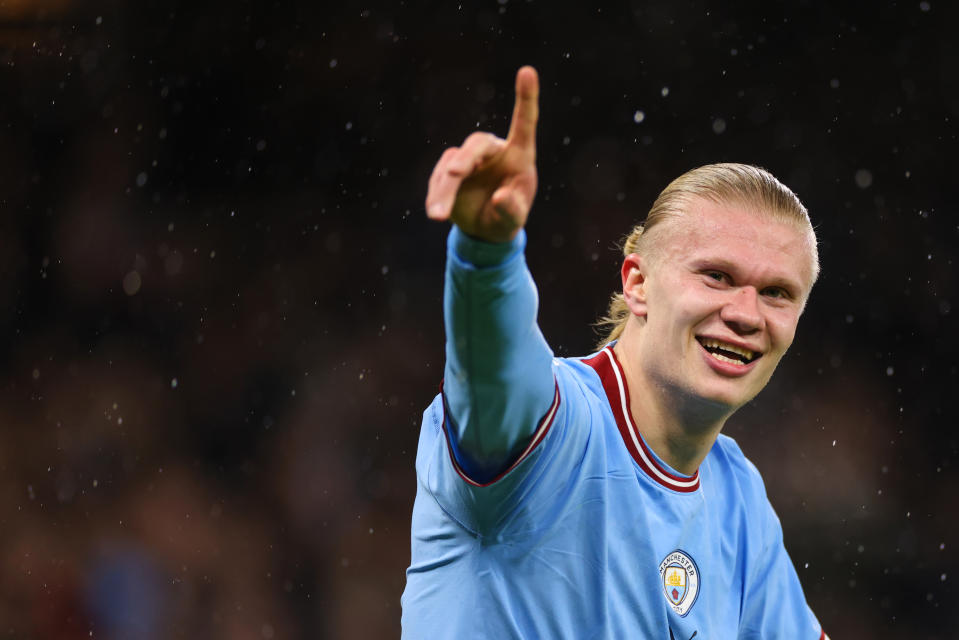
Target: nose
741,312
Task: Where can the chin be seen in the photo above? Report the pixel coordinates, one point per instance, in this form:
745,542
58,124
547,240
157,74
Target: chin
726,400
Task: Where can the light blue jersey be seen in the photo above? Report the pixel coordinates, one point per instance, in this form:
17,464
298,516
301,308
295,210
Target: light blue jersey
541,512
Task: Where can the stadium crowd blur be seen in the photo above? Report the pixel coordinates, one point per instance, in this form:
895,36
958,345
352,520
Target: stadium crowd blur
222,301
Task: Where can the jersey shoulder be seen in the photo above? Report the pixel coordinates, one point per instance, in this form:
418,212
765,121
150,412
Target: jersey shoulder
579,378
733,465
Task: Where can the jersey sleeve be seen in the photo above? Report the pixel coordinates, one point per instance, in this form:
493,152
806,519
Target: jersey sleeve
774,606
498,389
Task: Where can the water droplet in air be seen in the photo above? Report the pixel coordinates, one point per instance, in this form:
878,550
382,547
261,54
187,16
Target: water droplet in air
132,283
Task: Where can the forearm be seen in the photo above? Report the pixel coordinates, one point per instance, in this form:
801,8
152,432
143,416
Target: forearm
498,380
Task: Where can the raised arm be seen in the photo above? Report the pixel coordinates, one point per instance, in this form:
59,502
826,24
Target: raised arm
498,380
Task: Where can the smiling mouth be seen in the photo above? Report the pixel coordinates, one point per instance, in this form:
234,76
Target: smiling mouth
726,352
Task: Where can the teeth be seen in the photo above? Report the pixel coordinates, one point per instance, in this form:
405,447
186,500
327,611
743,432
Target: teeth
720,356
725,346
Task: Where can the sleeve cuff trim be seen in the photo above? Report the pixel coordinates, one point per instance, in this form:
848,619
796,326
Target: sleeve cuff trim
538,436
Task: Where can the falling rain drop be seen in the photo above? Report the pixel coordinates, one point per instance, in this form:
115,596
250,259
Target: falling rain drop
132,283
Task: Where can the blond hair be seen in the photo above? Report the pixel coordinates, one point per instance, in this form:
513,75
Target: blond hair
725,183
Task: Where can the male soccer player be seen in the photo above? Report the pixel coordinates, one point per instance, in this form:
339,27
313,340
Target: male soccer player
595,497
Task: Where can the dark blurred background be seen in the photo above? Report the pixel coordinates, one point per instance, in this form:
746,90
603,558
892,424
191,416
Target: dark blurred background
222,299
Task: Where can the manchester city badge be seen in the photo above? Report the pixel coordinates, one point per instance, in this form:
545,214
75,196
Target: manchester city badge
680,579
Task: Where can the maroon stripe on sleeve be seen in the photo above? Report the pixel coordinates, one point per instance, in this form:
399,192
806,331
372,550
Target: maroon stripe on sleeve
541,430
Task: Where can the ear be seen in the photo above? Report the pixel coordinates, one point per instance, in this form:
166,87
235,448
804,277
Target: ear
633,274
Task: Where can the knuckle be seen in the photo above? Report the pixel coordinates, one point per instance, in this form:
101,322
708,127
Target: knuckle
479,138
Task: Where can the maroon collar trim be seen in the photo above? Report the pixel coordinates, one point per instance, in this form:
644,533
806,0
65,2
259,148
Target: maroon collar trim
614,382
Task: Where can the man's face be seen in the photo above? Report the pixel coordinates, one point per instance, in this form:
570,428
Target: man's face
723,297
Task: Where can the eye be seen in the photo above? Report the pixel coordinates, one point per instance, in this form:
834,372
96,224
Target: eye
776,292
717,276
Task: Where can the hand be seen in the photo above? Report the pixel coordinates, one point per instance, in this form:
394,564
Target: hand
486,186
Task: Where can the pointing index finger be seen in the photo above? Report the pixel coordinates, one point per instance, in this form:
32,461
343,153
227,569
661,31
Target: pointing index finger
522,130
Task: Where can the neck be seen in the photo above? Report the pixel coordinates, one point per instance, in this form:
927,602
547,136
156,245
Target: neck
679,428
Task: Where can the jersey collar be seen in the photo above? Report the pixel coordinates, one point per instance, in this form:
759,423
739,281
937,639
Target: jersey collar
614,383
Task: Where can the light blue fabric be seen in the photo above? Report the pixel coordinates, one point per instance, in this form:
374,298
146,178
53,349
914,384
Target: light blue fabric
569,543
493,345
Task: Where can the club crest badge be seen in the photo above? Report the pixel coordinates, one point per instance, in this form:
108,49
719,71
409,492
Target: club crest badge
680,579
